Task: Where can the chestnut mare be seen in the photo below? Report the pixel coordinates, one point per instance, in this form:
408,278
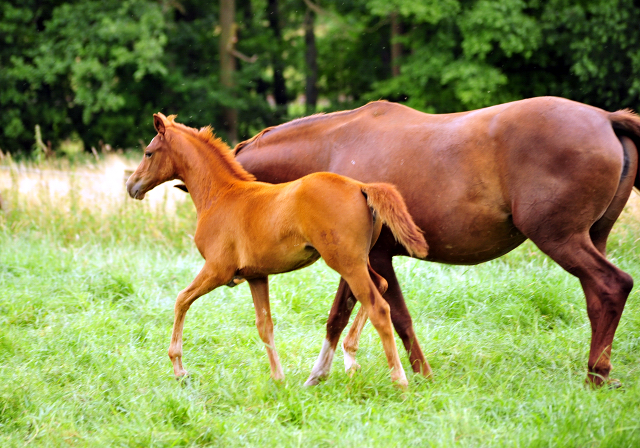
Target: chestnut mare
249,230
478,184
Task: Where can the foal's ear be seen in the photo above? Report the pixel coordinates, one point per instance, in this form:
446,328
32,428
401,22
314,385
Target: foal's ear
158,123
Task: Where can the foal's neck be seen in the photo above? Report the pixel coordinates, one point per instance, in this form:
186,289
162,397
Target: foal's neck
206,168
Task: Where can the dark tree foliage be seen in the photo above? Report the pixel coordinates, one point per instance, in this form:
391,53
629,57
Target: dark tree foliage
99,69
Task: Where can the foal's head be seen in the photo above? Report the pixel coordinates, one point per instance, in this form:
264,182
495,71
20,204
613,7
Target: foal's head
158,163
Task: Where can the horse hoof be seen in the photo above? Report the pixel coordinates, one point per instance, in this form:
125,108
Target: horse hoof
312,381
352,369
613,383
184,380
597,381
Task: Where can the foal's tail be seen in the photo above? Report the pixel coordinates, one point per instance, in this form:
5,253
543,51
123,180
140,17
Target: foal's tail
626,122
388,203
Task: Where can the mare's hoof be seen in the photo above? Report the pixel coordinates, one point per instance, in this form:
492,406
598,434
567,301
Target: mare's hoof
613,383
596,382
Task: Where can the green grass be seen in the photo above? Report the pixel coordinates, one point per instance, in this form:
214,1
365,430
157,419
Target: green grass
86,307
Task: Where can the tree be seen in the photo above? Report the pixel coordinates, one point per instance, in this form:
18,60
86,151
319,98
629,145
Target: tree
227,62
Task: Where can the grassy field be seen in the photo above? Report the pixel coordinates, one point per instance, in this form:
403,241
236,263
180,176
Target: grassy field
87,286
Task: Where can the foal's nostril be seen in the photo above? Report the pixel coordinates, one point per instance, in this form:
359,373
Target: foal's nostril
133,188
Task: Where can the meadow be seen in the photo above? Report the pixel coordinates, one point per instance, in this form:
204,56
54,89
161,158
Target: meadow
88,279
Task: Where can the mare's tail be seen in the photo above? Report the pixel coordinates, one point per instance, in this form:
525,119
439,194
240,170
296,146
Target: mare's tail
388,203
627,123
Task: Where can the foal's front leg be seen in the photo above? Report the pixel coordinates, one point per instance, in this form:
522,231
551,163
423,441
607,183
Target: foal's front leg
260,292
205,281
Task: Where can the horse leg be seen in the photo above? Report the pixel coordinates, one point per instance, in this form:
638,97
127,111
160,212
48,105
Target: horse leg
338,319
582,254
379,313
260,293
606,289
343,304
205,281
381,262
350,343
599,234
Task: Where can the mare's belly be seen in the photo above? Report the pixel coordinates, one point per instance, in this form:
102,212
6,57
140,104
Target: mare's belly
469,239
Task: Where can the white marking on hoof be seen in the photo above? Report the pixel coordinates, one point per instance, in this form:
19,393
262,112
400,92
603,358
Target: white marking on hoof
322,366
350,363
398,376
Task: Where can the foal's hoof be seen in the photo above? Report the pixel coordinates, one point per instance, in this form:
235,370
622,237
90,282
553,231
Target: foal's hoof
352,368
184,380
315,380
312,382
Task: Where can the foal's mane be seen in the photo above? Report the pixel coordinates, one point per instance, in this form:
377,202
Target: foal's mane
206,136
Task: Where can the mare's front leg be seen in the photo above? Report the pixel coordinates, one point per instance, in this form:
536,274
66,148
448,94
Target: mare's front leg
207,280
260,292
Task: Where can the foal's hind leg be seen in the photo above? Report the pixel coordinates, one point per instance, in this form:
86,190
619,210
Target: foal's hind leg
350,343
402,322
380,259
379,314
260,292
338,319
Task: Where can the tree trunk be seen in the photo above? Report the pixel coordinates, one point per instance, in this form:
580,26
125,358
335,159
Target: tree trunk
396,47
228,63
279,88
311,89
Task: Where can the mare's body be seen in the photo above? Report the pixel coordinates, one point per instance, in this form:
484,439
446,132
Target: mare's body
478,184
250,230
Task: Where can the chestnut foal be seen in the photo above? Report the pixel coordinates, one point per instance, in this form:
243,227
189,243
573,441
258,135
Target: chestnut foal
249,230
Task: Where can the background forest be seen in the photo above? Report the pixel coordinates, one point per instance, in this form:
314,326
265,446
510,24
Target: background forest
97,70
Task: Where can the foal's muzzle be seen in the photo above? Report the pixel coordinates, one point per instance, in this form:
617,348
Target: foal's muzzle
134,189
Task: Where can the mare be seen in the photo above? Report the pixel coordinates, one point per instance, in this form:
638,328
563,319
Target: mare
478,184
247,230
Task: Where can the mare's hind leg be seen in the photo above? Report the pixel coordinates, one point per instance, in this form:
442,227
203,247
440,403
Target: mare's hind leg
606,290
207,280
599,233
338,319
582,253
260,292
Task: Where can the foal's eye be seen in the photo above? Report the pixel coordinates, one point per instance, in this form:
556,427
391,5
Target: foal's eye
148,154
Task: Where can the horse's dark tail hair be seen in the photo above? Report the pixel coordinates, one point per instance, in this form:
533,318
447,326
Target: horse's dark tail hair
627,123
388,203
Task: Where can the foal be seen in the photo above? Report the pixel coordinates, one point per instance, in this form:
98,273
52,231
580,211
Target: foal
249,230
